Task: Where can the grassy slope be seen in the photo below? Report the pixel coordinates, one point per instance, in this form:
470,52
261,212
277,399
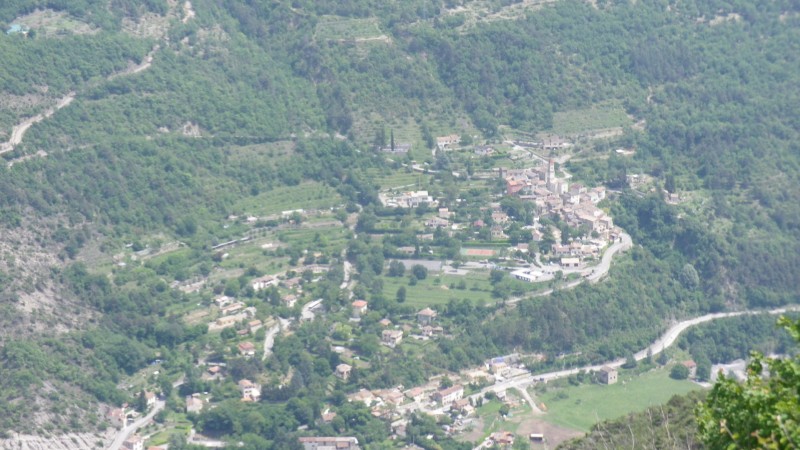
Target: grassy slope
426,293
588,404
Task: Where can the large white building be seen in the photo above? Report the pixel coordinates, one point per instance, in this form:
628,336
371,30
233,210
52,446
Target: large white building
329,443
449,395
410,199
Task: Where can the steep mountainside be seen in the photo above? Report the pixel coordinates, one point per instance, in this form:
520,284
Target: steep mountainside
130,127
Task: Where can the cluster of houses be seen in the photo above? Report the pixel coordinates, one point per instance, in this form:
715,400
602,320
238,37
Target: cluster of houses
450,142
391,337
551,195
389,404
574,203
384,402
232,312
392,405
122,416
502,364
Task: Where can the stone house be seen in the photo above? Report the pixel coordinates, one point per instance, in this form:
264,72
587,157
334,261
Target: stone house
607,375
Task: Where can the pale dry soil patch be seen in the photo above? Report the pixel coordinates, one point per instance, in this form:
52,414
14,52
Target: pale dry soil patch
554,434
49,23
71,441
28,256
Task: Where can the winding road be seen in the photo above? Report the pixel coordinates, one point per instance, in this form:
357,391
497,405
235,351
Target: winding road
129,430
269,337
18,132
664,341
597,273
601,269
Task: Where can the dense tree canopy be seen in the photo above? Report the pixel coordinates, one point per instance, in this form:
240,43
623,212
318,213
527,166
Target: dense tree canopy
762,412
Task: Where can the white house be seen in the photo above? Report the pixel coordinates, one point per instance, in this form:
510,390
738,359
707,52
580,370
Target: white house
264,282
359,308
447,141
343,371
250,391
134,442
391,338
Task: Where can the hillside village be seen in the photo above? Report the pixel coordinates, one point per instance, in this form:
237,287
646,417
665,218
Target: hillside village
371,225
541,230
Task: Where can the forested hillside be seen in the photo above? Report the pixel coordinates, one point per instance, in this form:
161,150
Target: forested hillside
168,130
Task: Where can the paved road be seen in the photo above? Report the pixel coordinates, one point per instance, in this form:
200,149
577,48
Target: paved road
348,268
596,274
129,430
671,335
269,337
601,269
662,342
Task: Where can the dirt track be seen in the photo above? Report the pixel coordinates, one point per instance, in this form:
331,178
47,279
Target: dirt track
18,132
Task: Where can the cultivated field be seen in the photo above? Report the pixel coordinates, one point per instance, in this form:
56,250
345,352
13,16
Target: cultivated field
311,195
599,117
340,29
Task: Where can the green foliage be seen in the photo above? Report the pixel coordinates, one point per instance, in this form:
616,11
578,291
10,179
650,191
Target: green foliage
99,13
719,103
504,410
422,430
396,268
401,294
69,360
734,338
605,321
679,372
630,362
419,272
761,412
63,64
